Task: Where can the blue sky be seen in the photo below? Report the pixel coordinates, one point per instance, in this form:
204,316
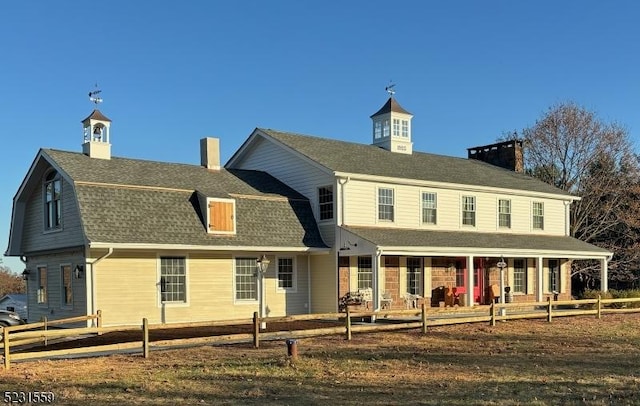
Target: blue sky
172,72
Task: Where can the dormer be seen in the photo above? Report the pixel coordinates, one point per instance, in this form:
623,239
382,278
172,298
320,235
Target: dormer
96,136
392,128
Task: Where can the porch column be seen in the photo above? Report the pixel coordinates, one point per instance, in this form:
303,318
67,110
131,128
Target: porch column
539,284
470,281
604,274
375,291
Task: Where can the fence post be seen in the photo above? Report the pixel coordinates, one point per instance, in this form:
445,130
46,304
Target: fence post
549,308
145,337
99,322
348,323
492,310
44,327
256,330
599,310
424,317
7,363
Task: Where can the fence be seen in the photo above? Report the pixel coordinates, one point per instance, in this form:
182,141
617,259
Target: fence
423,318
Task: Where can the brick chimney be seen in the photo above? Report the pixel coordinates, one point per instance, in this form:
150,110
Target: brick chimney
210,153
507,155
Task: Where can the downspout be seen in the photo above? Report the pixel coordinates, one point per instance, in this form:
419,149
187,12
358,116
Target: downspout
342,182
93,278
376,280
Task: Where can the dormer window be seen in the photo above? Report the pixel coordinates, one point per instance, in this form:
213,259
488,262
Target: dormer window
385,127
377,129
396,127
221,216
405,128
52,201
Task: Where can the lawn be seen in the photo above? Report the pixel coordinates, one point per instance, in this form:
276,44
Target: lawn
571,361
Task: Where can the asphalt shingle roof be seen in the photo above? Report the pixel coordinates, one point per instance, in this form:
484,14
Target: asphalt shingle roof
145,202
341,156
394,237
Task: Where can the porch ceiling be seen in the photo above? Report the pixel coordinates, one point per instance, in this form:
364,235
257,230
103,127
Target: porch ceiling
431,241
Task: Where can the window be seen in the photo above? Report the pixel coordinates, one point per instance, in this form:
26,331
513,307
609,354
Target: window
325,202
42,285
385,128
173,280
53,201
377,129
67,285
246,279
414,272
520,276
460,275
429,207
469,210
396,127
538,216
365,273
554,275
385,204
222,213
286,274
405,128
504,213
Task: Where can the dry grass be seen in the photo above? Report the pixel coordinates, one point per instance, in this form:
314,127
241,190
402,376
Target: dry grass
572,361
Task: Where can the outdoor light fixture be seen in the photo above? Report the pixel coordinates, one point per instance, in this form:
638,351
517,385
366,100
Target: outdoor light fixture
25,274
78,271
263,265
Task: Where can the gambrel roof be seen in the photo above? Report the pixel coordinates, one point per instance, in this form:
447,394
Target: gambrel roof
353,158
146,203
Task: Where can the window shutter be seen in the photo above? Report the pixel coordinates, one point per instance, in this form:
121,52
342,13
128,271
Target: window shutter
221,217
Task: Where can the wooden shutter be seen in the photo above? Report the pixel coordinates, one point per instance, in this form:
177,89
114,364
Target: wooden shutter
221,217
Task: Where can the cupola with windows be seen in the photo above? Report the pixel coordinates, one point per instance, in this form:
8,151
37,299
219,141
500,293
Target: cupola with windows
392,127
96,131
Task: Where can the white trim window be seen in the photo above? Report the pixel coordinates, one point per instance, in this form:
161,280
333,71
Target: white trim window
66,284
377,129
429,208
504,213
537,215
286,274
246,279
385,204
396,127
520,275
469,211
42,292
414,275
325,202
53,201
173,279
365,273
405,128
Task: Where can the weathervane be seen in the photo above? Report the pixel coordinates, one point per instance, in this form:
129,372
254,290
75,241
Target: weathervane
391,88
93,95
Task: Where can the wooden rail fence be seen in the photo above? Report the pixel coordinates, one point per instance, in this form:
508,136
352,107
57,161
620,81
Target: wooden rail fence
387,320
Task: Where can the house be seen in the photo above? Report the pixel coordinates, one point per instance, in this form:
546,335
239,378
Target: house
169,242
15,302
174,243
407,225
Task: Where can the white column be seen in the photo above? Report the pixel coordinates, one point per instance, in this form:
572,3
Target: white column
470,281
539,285
375,291
604,274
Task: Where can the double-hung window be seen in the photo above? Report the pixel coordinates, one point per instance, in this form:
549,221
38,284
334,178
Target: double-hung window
42,296
246,279
286,274
405,128
365,273
504,213
469,210
538,215
429,208
67,285
414,272
173,279
554,275
520,276
325,202
53,201
396,127
377,129
385,204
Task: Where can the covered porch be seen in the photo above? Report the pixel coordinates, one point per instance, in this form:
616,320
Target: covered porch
399,268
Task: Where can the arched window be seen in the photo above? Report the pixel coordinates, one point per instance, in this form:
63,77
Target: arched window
52,201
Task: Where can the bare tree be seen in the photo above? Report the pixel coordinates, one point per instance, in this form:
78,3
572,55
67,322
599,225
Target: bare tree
571,148
10,282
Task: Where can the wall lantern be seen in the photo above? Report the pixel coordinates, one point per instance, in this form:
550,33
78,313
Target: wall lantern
25,274
78,271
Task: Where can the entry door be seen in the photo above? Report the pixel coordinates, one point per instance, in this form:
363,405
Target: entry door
478,280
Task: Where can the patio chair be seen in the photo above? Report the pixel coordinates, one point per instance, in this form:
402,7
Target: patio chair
386,300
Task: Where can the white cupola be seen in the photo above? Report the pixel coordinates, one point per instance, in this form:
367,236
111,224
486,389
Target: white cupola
96,136
392,128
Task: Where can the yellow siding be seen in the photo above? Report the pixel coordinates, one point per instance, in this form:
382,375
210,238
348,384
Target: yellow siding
324,280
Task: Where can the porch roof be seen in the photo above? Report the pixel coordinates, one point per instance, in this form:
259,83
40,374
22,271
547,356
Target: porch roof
432,242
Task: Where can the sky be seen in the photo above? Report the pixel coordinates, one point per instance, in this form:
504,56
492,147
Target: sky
173,72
